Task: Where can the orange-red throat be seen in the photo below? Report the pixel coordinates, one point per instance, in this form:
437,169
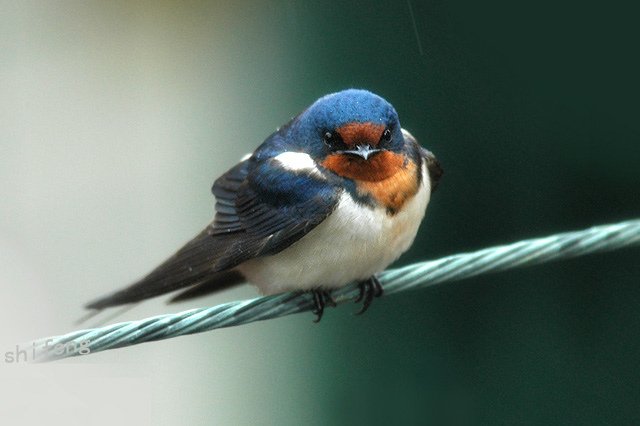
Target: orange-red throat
378,166
387,177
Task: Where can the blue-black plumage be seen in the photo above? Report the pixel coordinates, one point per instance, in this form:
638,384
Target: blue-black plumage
333,196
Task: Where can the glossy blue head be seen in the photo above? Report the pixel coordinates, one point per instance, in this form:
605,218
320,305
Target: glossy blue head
344,120
349,106
354,133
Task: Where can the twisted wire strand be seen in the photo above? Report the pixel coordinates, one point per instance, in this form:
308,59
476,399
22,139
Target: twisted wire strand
459,266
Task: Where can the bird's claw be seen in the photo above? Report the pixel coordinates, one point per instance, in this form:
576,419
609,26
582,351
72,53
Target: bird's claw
321,298
368,290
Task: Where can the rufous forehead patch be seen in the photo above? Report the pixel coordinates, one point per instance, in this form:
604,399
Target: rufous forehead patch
361,133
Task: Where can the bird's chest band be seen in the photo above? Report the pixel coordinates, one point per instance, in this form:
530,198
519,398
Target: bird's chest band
388,179
394,191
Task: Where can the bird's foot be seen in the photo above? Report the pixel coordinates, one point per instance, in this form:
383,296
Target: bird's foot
368,290
321,298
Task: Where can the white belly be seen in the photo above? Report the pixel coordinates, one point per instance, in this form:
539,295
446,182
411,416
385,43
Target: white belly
352,244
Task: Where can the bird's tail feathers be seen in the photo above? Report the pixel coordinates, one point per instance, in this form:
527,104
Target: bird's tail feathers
192,265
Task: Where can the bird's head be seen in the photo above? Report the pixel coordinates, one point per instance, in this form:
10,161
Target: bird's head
353,133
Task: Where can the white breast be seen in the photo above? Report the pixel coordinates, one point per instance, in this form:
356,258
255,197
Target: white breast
352,244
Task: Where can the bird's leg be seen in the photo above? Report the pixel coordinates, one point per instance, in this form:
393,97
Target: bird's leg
368,290
321,298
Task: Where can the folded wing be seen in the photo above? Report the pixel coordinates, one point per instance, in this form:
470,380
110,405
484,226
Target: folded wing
261,208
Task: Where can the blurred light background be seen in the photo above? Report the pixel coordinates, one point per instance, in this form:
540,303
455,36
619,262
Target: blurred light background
115,118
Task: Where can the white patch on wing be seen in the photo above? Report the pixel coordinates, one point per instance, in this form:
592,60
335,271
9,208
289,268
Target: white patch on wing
352,244
297,162
246,157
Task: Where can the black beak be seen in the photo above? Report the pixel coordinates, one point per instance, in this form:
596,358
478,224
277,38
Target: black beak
362,151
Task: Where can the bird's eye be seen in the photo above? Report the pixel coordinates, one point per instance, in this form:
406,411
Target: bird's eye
328,138
333,140
386,135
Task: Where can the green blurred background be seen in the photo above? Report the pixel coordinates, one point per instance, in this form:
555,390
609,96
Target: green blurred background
115,118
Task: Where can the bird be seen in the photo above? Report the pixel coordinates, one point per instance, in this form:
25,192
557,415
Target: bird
332,197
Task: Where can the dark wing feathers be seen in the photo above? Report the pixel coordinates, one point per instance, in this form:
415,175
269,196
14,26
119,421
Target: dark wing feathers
225,189
273,209
422,154
260,210
216,282
190,265
433,167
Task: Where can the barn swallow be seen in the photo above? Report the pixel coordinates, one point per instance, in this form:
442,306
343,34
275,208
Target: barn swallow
332,197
